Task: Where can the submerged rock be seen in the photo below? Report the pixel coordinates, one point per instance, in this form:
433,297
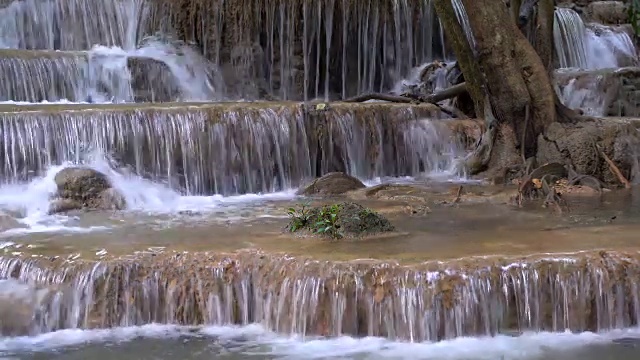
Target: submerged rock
84,188
340,220
335,183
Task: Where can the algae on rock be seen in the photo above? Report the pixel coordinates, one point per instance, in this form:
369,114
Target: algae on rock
337,221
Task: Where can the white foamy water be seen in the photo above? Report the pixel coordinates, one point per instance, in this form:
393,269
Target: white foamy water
195,78
26,206
253,341
590,46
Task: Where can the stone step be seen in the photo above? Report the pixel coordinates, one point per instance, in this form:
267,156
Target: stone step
46,75
230,148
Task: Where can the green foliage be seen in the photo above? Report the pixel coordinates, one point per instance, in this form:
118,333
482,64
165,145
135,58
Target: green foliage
298,218
634,15
337,221
322,221
327,222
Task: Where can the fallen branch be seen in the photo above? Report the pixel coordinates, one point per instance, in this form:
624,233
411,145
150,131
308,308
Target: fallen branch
448,93
434,98
380,96
614,169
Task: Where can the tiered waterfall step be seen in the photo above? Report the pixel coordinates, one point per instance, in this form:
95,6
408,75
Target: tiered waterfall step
229,148
45,75
431,301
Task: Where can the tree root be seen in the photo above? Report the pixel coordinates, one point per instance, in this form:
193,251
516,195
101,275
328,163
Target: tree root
479,158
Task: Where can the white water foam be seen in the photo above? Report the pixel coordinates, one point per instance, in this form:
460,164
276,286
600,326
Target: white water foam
28,203
267,344
590,46
197,78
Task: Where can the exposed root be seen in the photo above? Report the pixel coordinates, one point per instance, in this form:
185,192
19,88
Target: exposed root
586,180
479,158
540,182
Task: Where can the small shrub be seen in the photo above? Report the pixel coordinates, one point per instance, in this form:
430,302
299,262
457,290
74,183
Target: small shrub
338,220
298,218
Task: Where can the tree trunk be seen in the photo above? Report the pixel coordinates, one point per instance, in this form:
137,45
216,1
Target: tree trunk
512,76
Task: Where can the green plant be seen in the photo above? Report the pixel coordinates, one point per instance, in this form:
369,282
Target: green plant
327,222
298,218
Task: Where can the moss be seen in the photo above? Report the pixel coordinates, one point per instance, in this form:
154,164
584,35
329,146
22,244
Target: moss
338,220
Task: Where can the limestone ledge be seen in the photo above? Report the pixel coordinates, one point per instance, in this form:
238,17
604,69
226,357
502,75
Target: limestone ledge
193,289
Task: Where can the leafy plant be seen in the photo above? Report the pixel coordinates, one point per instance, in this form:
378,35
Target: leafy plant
298,218
321,221
327,222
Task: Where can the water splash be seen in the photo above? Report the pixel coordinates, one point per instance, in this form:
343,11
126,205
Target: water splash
227,148
28,204
160,342
295,296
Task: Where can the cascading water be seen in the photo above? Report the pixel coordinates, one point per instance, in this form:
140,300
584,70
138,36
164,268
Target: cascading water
337,51
433,301
582,49
71,25
228,149
156,71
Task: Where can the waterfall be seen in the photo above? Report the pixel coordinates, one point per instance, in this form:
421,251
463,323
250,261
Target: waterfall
432,301
589,47
322,49
227,148
155,71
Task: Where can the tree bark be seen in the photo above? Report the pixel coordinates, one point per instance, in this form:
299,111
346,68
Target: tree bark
513,77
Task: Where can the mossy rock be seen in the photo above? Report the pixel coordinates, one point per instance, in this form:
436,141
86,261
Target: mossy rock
340,220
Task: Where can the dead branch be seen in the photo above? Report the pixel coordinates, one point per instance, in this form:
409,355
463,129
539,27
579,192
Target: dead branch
614,169
380,96
434,98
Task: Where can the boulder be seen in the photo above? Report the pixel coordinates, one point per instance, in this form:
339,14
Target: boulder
335,183
85,188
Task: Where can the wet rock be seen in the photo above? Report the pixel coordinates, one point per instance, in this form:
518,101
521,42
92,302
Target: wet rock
618,139
341,220
607,12
61,205
334,183
85,188
152,80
